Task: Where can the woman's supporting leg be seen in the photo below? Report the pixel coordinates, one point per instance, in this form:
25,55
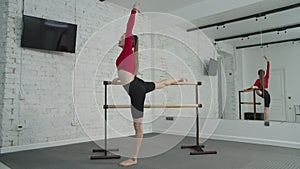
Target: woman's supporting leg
138,126
267,99
166,82
266,111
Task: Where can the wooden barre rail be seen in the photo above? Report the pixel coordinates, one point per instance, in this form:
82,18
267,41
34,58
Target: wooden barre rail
242,91
155,106
178,83
258,103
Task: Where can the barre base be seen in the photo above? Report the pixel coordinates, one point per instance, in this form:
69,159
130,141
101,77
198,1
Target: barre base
199,150
105,156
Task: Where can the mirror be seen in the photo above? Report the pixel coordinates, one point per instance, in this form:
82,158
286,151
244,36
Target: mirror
242,45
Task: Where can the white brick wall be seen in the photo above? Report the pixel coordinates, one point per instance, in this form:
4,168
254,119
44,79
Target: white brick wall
185,55
44,78
3,21
230,111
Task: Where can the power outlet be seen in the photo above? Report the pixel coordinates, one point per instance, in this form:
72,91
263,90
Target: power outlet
169,118
74,123
20,127
21,95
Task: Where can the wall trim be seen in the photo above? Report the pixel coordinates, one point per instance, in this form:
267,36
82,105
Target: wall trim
3,166
260,141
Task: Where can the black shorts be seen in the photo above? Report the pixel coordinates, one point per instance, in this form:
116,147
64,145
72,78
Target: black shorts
265,94
137,90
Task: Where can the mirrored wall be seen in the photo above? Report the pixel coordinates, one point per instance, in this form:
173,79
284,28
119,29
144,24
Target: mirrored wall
268,28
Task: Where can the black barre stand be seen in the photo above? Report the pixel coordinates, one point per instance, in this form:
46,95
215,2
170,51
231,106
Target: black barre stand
105,150
198,147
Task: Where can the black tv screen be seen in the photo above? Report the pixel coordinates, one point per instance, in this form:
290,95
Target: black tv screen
48,34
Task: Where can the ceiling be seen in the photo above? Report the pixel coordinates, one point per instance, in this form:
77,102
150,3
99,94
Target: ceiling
205,12
156,5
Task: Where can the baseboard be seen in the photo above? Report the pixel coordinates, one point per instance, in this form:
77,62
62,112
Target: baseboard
3,166
280,143
12,149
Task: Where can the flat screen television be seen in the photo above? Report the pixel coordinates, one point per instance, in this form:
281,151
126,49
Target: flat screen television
47,34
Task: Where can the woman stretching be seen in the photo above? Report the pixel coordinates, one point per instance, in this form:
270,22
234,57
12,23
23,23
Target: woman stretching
127,66
262,85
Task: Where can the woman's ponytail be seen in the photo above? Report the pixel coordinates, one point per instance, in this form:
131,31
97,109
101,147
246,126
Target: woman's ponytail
135,45
261,74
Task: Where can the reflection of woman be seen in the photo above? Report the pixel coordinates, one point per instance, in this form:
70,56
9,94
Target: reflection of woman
127,66
262,85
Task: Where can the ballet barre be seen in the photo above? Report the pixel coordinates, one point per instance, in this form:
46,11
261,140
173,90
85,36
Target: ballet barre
198,147
254,103
154,106
177,83
251,103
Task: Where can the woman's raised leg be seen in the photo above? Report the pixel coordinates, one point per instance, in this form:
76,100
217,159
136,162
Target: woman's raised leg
166,82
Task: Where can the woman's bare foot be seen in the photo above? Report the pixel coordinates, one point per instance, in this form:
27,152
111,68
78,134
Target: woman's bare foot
129,162
183,79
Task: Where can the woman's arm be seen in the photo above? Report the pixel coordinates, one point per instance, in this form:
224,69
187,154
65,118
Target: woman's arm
130,24
268,67
250,89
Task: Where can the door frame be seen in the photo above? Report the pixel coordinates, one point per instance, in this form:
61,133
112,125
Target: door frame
284,91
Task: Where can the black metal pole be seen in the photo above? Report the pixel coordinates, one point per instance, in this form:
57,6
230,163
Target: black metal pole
105,117
240,106
254,104
105,150
197,146
197,117
294,40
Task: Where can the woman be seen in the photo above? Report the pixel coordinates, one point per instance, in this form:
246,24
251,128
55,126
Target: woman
127,66
261,85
